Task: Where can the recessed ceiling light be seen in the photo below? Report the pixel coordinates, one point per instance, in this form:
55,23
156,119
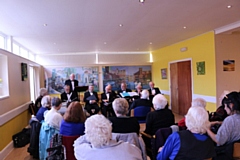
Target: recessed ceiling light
120,25
184,27
142,1
229,6
150,43
54,43
45,25
105,42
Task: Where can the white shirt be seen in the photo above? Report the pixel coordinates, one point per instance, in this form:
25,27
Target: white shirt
53,118
72,85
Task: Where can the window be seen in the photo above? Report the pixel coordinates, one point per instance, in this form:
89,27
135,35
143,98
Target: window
23,52
4,90
16,49
2,42
31,56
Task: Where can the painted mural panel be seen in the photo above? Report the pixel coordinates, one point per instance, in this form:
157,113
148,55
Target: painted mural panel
131,75
56,76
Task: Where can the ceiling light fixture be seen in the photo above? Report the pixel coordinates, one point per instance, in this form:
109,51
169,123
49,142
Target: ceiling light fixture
184,27
150,43
105,42
120,25
142,1
229,6
45,25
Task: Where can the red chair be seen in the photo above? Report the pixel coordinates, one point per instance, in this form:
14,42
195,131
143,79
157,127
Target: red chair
68,141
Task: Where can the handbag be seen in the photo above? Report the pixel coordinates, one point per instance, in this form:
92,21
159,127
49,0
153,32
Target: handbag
22,138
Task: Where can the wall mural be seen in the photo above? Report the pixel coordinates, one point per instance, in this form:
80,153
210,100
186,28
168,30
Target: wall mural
56,76
131,75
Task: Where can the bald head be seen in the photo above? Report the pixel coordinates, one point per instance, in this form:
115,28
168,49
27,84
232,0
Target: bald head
72,76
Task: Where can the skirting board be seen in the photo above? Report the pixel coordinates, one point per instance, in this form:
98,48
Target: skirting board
211,99
6,150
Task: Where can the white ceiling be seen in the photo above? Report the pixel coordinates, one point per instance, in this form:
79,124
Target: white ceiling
85,25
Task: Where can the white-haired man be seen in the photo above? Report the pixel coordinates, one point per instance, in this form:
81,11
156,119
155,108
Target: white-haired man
72,82
143,101
162,117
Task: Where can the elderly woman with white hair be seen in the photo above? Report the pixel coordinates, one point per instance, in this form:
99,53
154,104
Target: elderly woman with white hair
123,123
97,143
192,143
46,105
198,102
162,117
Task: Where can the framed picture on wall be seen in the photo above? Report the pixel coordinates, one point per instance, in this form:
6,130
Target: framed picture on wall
229,65
164,73
201,68
24,71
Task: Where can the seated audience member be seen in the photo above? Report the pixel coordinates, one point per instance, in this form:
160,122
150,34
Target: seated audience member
91,99
97,143
68,95
229,130
123,89
52,117
107,98
122,123
162,117
72,82
73,120
46,105
43,92
220,114
153,90
196,102
192,143
144,101
138,91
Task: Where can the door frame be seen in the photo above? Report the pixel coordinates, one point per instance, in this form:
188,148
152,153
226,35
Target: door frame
181,60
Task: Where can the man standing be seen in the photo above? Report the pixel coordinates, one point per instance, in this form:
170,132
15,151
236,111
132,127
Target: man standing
91,99
72,82
153,90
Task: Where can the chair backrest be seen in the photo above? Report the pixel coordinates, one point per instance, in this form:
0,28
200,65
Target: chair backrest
160,138
141,112
68,141
236,148
131,138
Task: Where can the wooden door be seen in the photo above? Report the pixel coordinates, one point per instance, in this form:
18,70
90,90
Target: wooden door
181,86
184,86
174,87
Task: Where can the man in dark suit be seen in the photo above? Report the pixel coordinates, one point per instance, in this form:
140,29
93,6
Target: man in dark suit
91,99
72,82
143,101
153,90
106,105
123,89
69,96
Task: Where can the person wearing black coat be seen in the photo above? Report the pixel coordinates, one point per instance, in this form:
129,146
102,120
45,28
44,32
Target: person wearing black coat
106,105
91,99
72,82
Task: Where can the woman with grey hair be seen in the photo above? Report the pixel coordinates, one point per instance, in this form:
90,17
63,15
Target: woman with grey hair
97,143
123,123
162,117
46,105
43,92
192,143
52,117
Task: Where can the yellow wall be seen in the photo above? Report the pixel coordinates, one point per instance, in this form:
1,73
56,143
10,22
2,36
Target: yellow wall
200,48
12,127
